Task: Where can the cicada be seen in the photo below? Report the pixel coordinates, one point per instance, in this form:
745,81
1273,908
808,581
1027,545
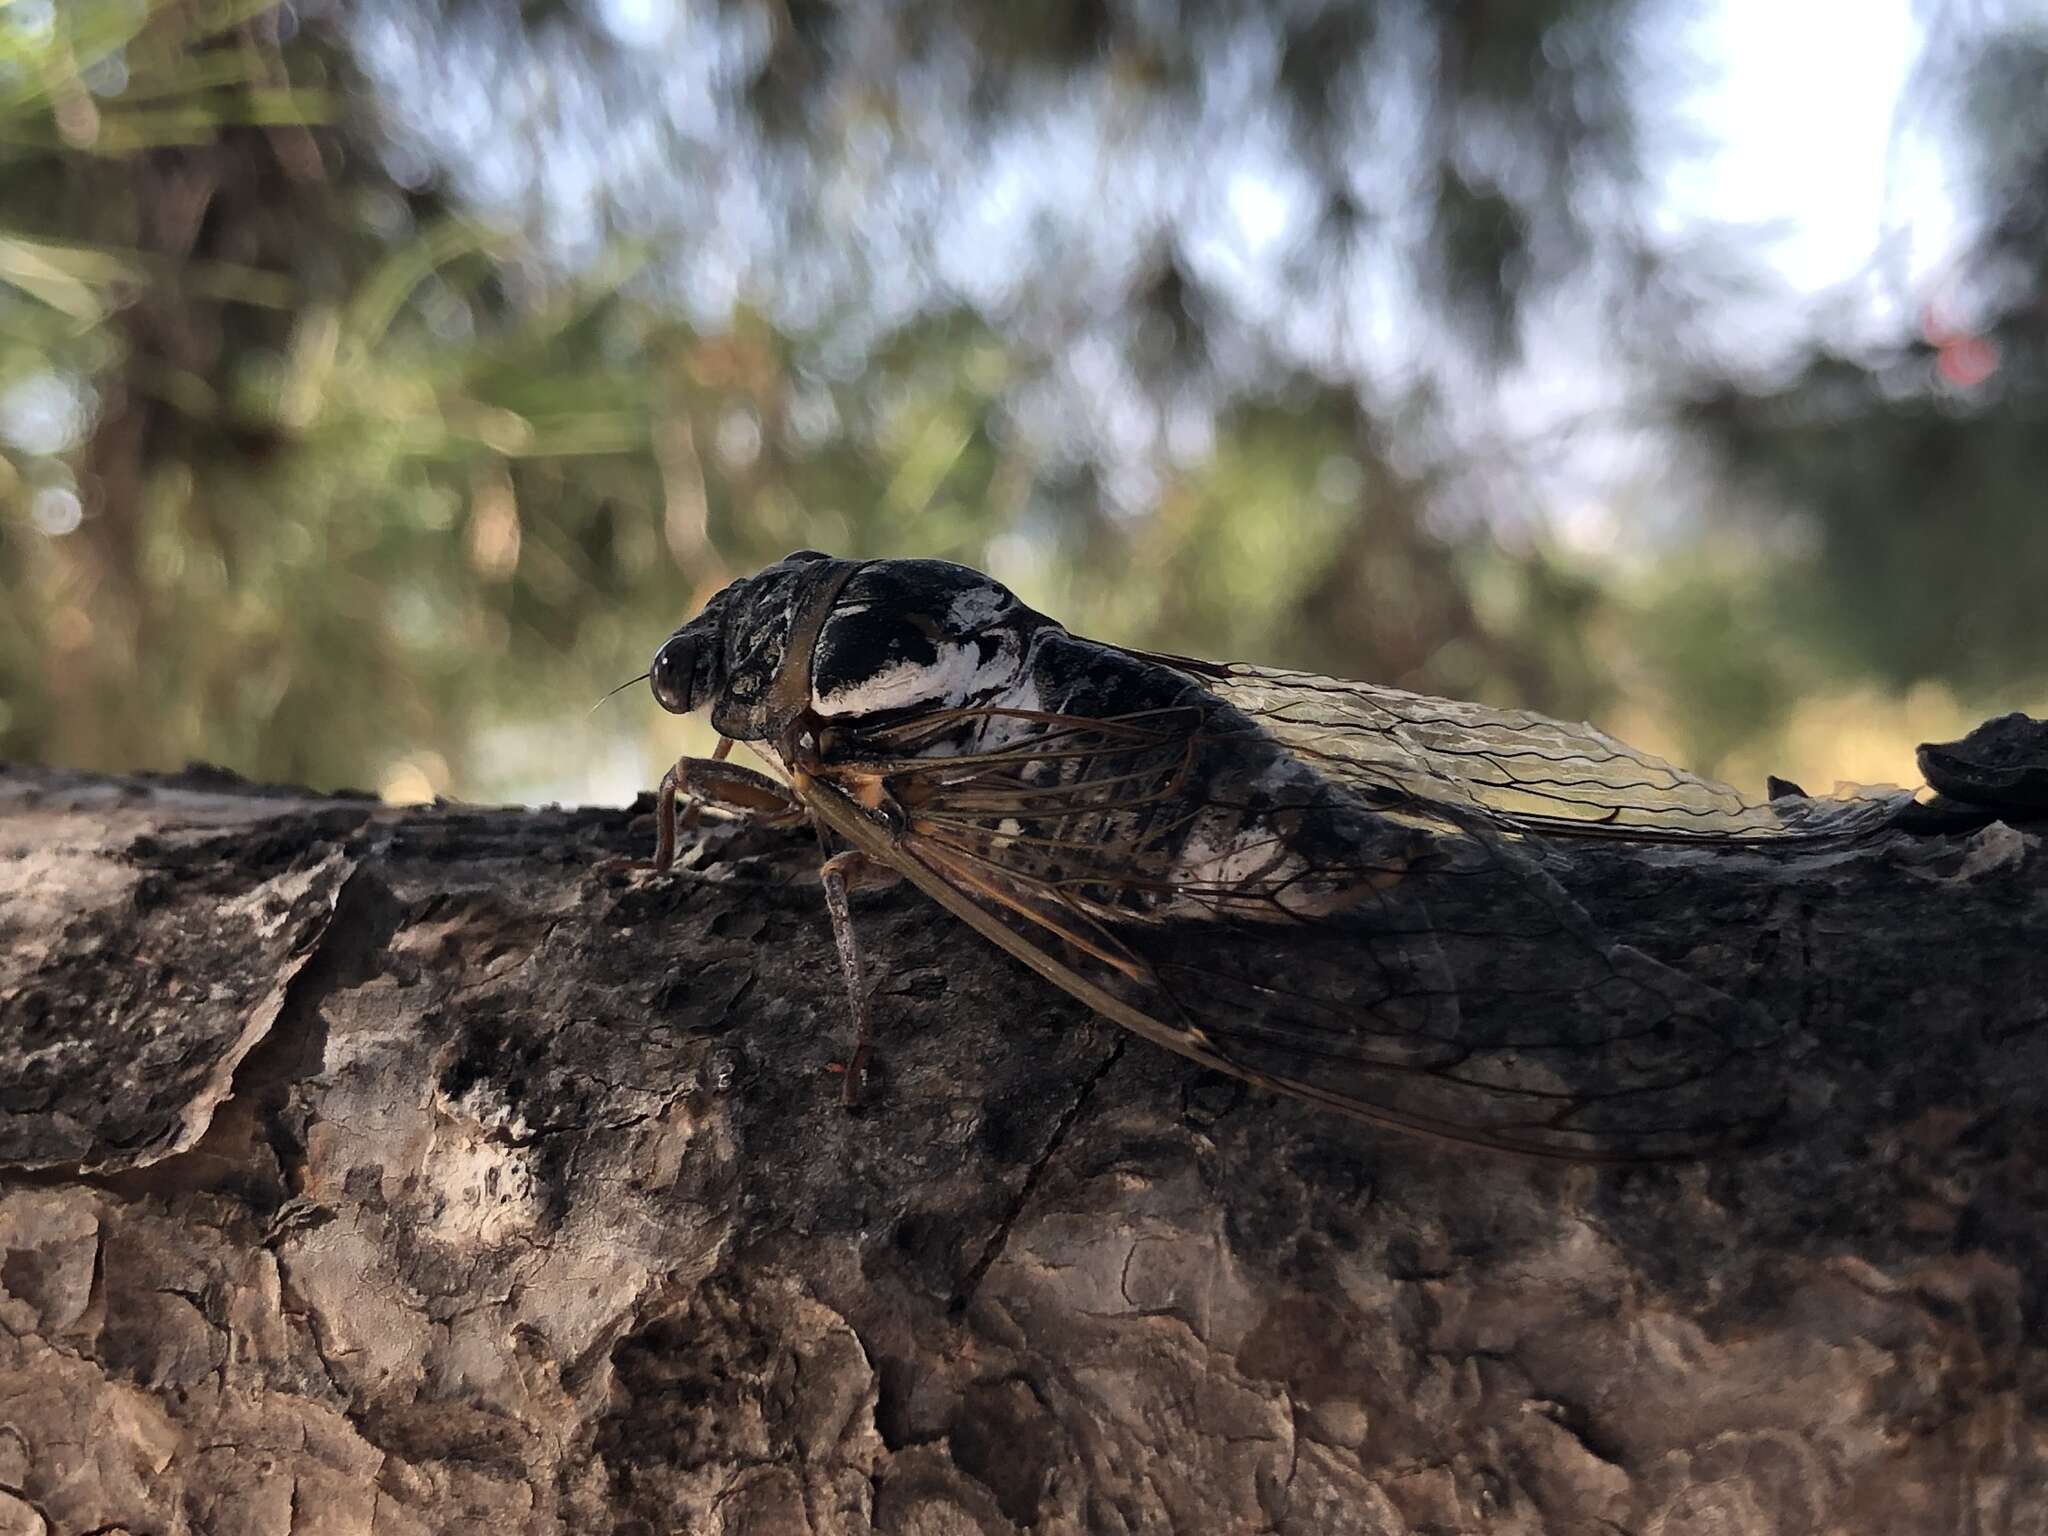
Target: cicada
1326,888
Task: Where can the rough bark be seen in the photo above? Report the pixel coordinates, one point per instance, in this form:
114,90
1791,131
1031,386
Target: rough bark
370,1170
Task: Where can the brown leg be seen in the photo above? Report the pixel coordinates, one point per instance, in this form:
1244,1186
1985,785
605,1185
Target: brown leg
711,781
696,807
844,872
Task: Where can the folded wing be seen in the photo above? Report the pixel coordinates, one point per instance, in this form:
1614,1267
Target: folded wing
1329,889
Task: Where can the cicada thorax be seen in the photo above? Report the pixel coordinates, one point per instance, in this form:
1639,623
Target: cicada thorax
1117,780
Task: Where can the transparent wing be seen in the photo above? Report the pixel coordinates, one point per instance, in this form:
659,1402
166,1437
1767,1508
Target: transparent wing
1370,933
1528,771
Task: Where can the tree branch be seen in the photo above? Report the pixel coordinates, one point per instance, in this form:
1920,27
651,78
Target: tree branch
378,1169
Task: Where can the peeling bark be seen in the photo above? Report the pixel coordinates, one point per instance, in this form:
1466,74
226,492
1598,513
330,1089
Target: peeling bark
366,1170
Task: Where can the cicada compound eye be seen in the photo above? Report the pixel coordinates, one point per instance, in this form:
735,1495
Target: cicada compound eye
671,674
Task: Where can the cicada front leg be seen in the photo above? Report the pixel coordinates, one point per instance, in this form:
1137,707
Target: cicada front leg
712,781
844,872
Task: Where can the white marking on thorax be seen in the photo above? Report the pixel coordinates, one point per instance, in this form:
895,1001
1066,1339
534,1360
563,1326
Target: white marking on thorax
957,675
977,608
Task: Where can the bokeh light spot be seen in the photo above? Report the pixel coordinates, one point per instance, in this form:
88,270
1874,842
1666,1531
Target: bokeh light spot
57,511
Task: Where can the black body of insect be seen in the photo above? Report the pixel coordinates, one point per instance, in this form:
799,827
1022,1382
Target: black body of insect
1324,887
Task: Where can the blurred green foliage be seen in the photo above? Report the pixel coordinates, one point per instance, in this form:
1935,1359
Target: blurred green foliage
317,466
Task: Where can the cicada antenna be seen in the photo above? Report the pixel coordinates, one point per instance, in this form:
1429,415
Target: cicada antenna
629,682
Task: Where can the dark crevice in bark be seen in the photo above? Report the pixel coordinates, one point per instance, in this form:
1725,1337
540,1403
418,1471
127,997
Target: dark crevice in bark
993,1249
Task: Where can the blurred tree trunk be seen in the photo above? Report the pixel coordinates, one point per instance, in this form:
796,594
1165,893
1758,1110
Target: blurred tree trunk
380,1171
241,239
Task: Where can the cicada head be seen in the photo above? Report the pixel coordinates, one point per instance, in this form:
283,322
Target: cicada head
849,643
728,658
